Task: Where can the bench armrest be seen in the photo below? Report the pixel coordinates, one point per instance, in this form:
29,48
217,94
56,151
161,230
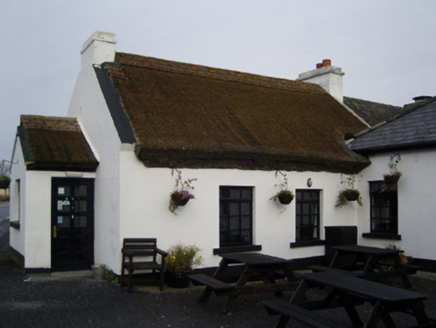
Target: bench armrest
161,252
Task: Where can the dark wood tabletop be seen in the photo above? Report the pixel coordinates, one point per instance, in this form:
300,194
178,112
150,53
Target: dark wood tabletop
255,259
362,288
367,250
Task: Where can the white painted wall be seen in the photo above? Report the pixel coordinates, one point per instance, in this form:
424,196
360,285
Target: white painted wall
146,192
416,202
18,172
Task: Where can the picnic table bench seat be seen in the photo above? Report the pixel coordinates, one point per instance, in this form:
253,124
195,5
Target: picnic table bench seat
411,268
320,268
216,285
288,310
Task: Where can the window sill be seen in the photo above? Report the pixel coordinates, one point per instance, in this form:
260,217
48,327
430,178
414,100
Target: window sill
237,249
379,235
15,224
308,243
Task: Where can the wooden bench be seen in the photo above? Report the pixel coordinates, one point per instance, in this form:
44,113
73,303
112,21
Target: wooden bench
320,268
288,310
218,286
141,254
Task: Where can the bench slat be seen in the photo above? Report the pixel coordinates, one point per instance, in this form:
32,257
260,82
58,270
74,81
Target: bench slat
213,283
320,268
279,306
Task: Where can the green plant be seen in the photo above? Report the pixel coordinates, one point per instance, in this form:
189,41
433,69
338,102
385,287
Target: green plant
110,277
182,258
180,194
349,192
404,259
284,189
394,175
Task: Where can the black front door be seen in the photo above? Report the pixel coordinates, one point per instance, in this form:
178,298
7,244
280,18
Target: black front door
72,225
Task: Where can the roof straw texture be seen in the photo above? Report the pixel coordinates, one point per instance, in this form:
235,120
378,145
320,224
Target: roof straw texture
187,115
56,143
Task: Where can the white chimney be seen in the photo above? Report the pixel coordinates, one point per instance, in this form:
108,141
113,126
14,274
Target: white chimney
327,76
99,48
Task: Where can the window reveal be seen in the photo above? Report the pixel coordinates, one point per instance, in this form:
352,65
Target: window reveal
236,216
307,215
384,207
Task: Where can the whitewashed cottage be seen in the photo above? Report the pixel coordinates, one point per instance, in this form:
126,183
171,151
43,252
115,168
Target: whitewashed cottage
82,183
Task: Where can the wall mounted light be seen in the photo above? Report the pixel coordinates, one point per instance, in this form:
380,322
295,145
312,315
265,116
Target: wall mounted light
309,182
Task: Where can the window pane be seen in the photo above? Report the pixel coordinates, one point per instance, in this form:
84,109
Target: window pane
307,215
235,216
245,208
384,207
80,191
234,209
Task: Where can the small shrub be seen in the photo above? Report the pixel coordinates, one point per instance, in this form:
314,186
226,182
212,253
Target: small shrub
110,277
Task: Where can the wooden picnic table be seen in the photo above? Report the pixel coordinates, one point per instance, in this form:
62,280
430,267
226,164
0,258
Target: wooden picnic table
255,263
372,262
346,291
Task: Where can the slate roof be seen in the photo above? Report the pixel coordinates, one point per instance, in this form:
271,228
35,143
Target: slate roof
55,143
371,112
184,115
413,128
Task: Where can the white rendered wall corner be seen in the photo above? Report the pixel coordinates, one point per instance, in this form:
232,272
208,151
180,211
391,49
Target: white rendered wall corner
99,48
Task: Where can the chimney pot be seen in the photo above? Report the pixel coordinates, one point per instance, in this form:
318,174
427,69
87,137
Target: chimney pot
319,65
326,62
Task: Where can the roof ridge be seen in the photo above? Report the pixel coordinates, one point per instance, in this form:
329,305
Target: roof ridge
55,123
216,73
372,102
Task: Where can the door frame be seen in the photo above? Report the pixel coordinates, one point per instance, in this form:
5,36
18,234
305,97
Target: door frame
85,264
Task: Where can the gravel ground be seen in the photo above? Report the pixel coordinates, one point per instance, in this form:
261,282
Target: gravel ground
47,301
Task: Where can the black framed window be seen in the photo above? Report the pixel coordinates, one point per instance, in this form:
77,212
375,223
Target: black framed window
384,207
307,215
236,216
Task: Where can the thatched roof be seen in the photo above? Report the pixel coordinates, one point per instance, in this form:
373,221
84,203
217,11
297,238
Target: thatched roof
55,143
185,115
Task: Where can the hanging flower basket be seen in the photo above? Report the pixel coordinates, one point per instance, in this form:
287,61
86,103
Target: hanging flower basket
391,179
351,194
285,198
178,199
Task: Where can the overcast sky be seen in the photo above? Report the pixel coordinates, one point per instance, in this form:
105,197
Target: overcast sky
386,48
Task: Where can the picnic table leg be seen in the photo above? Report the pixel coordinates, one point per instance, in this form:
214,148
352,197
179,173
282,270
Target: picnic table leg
217,275
300,293
233,296
420,314
347,302
368,265
404,277
375,315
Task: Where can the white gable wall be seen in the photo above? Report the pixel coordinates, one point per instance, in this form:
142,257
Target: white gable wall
416,202
89,107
